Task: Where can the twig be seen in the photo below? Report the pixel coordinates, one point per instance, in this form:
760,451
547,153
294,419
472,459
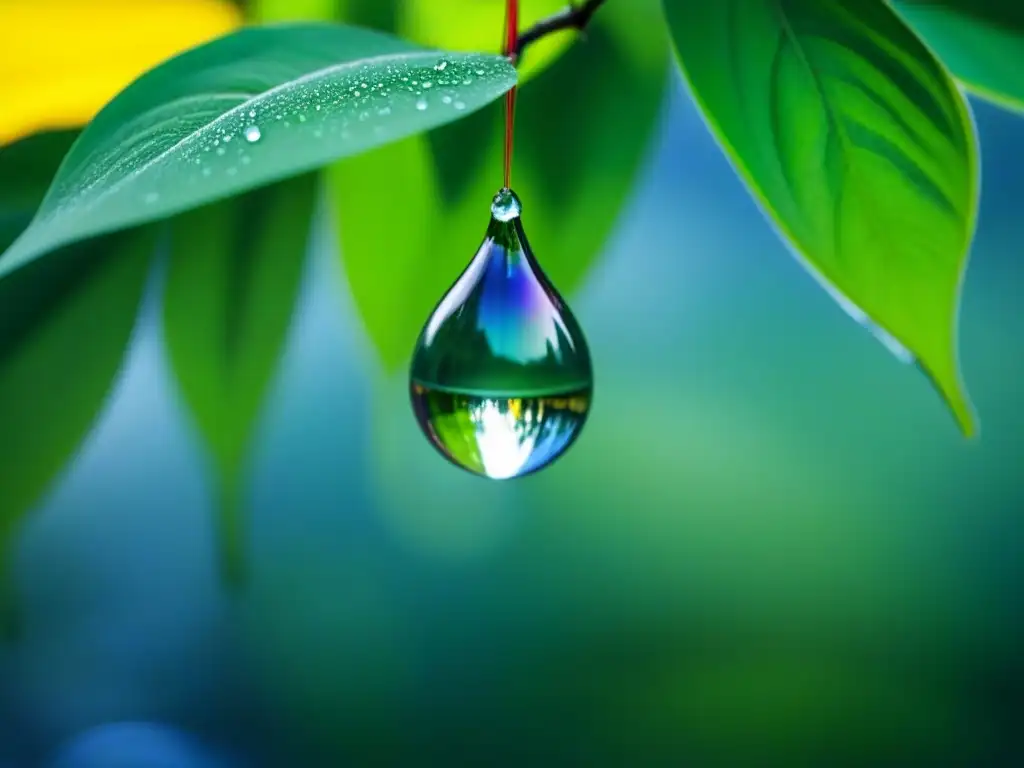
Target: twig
577,16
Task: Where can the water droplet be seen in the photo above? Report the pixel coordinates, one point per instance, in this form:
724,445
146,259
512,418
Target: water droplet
252,113
227,138
428,84
446,99
317,107
220,151
421,104
460,105
468,81
441,66
506,206
253,134
480,73
501,380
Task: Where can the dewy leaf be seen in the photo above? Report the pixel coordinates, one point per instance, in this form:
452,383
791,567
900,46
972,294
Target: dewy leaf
231,291
62,60
985,57
64,326
578,154
859,146
26,168
257,106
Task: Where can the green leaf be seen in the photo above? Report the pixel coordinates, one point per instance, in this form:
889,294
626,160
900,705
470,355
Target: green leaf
64,326
859,146
232,288
26,168
583,127
1007,14
985,57
264,11
256,106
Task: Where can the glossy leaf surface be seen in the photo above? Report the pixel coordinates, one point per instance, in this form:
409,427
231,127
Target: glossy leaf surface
26,168
260,105
861,149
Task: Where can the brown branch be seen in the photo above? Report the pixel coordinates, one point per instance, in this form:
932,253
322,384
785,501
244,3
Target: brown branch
577,16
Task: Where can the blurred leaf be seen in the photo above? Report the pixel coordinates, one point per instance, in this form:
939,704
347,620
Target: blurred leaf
64,326
26,169
1007,14
265,11
62,60
477,25
583,127
858,145
232,289
986,58
254,107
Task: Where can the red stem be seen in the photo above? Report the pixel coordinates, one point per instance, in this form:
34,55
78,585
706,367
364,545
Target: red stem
511,44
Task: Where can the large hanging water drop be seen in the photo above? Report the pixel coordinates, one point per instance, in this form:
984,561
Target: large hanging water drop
501,380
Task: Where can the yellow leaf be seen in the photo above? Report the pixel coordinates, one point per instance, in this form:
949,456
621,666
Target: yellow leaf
61,61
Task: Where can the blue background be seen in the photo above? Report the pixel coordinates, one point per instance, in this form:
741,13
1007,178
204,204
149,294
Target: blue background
770,545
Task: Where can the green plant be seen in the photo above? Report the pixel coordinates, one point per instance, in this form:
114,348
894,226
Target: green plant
839,115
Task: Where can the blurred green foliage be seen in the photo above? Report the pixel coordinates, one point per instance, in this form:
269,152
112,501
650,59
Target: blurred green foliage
419,208
232,288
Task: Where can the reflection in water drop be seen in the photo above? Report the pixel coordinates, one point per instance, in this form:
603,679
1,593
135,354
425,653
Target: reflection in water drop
253,134
501,381
500,436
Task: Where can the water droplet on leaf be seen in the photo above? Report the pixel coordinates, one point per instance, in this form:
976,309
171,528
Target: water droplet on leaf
253,134
441,66
421,104
501,380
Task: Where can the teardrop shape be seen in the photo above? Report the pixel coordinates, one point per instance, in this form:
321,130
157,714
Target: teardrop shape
501,380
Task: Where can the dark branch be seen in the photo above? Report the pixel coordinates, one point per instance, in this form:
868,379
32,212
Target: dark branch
577,16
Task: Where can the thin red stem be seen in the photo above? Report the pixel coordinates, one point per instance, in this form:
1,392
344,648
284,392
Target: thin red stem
511,46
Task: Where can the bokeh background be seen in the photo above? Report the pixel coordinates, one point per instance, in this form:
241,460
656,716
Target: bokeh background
771,546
